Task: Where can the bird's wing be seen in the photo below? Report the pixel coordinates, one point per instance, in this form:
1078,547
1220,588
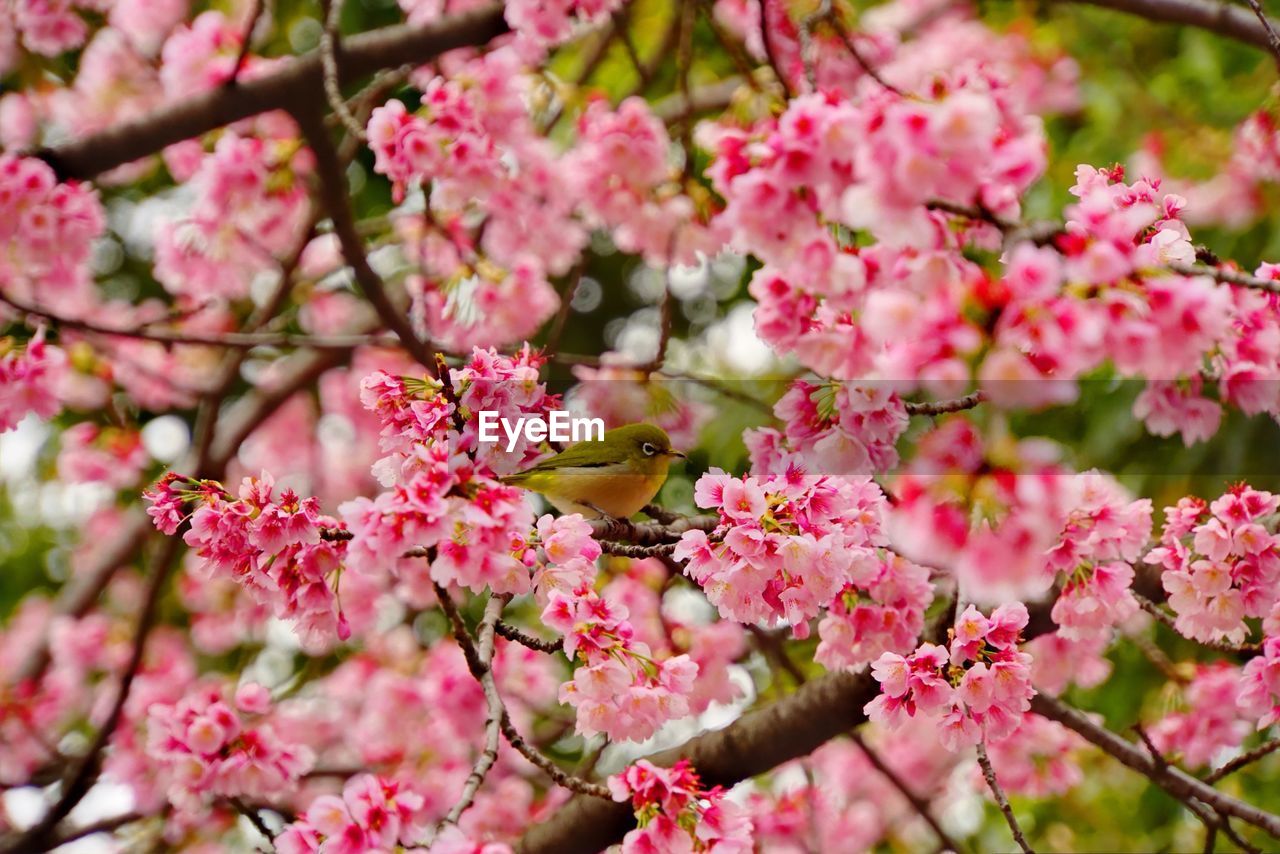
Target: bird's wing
575,457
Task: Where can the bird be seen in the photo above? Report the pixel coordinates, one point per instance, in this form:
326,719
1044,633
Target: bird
611,478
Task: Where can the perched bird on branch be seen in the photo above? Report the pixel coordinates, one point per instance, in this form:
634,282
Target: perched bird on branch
615,476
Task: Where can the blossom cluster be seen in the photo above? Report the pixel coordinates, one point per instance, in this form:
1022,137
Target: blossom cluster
476,142
443,488
975,689
47,230
1007,517
625,180
1219,563
1259,696
210,749
785,545
622,689
29,379
1207,721
834,428
269,545
251,206
110,455
1037,758
372,814
1102,537
676,812
881,610
669,630
549,22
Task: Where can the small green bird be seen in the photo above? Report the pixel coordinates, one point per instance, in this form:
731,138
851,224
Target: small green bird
616,476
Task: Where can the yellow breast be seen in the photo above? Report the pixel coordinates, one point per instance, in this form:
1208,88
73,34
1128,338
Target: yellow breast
618,493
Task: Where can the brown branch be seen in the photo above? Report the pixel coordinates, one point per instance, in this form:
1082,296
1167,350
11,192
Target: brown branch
828,14
252,813
1221,646
989,774
106,825
1227,277
941,407
330,47
710,98
551,769
1273,41
291,88
767,40
1244,759
493,706
650,533
919,804
1221,18
85,772
333,194
243,55
479,669
1176,782
228,340
517,635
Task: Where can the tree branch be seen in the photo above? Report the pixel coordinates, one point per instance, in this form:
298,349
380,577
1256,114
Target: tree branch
1173,780
334,198
919,804
85,772
1221,18
494,709
989,774
1244,759
291,88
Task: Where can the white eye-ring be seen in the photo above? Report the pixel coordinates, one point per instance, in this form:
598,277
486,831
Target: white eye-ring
649,450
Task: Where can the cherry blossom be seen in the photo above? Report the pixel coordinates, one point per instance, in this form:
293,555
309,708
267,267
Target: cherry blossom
676,812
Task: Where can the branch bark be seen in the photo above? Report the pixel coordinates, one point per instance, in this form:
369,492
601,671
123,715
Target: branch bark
293,87
1224,19
757,742
1173,780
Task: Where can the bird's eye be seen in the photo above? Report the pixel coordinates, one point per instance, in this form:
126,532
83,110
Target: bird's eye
649,450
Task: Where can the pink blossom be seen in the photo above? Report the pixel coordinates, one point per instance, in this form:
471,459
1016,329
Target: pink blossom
680,813
28,379
976,690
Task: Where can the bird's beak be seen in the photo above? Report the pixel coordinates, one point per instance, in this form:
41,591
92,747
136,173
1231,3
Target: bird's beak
682,456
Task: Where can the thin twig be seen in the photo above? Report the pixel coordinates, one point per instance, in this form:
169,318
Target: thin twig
1243,760
493,705
513,633
550,768
334,198
1221,646
1228,277
229,340
989,773
941,407
767,40
106,825
850,45
330,45
477,667
1273,40
86,770
919,804
258,8
1173,780
252,813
